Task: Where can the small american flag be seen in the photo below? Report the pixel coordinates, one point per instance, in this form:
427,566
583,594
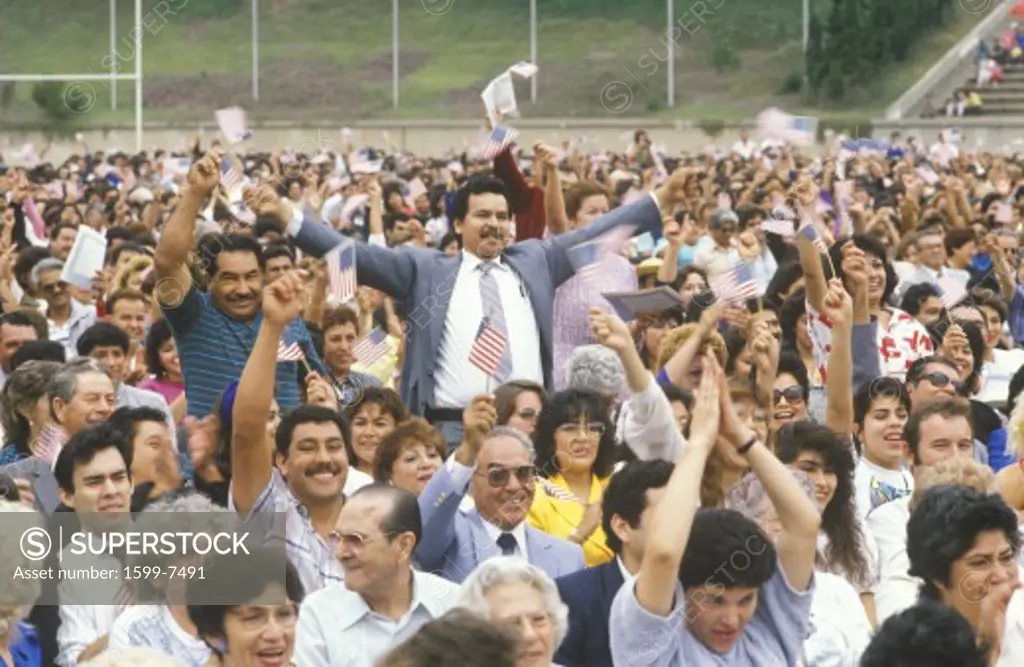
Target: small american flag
373,347
951,292
289,352
488,349
341,271
499,140
51,441
809,232
230,177
736,284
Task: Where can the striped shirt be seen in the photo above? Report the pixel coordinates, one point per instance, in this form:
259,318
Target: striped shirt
213,349
311,555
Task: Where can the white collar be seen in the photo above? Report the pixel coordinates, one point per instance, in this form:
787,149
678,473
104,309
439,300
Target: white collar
519,532
627,576
349,614
471,261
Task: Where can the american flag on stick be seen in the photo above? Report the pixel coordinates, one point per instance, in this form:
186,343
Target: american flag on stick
499,140
372,347
736,284
289,352
341,271
230,176
809,232
951,292
488,349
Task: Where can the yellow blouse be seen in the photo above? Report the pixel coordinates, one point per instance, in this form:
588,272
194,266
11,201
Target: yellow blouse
560,516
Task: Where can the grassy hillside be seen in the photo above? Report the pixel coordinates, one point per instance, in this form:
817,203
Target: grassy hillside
332,58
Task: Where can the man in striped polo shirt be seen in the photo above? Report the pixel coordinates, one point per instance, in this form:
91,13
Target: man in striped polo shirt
215,328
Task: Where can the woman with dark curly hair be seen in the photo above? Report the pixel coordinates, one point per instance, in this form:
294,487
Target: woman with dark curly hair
844,547
575,445
162,361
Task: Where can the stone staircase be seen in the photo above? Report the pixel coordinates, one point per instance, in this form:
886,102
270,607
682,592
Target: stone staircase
1006,99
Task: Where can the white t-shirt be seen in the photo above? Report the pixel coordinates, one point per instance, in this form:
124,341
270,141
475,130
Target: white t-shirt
876,486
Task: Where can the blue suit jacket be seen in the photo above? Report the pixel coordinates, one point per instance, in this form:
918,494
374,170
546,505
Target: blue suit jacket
455,542
589,594
424,280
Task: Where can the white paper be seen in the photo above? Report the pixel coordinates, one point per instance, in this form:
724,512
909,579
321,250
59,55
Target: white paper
85,259
500,98
346,134
629,304
416,188
351,204
364,166
523,68
233,124
927,175
176,166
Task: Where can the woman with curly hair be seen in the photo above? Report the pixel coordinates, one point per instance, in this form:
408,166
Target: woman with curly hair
844,546
575,446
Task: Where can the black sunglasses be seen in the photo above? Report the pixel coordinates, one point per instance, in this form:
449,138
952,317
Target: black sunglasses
940,380
498,477
794,394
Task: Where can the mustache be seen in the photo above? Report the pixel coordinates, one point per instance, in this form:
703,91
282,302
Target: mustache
491,232
322,467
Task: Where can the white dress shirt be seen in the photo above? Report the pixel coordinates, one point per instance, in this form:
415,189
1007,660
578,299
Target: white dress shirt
153,626
88,605
1012,654
519,532
457,380
897,590
337,627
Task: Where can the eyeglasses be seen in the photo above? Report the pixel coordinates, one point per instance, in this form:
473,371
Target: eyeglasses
940,380
257,618
528,414
572,428
794,394
498,477
354,542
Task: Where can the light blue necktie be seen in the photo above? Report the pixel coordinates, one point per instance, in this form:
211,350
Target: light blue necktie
495,315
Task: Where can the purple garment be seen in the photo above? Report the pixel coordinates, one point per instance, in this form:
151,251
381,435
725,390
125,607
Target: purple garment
575,297
166,388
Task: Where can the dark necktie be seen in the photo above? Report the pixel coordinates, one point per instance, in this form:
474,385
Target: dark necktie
507,544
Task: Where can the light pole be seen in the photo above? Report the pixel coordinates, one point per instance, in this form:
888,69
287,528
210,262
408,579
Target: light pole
533,49
113,55
671,44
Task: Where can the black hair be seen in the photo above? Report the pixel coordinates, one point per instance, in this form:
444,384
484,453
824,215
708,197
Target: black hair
626,495
735,343
945,525
916,295
83,447
307,414
569,406
459,638
212,245
476,185
387,190
276,250
117,234
102,334
127,246
38,350
447,239
159,333
127,419
785,277
388,401
26,318
404,516
925,635
791,363
793,308
916,369
871,246
27,259
266,226
718,537
838,518
1016,386
880,387
247,578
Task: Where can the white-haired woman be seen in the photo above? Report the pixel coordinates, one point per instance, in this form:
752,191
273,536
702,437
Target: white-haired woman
19,644
162,622
511,592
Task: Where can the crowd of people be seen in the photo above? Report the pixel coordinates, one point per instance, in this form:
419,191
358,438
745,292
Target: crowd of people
562,405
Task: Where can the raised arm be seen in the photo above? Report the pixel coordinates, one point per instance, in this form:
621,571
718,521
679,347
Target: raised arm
251,457
799,517
678,365
171,261
544,161
838,309
810,257
669,269
672,519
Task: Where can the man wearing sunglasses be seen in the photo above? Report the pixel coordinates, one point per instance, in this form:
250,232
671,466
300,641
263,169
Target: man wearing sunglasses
932,378
67,318
497,467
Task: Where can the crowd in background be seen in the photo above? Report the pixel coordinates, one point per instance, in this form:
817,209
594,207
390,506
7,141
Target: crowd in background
771,418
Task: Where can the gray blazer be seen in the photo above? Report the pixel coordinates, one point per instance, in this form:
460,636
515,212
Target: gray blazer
455,542
424,280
